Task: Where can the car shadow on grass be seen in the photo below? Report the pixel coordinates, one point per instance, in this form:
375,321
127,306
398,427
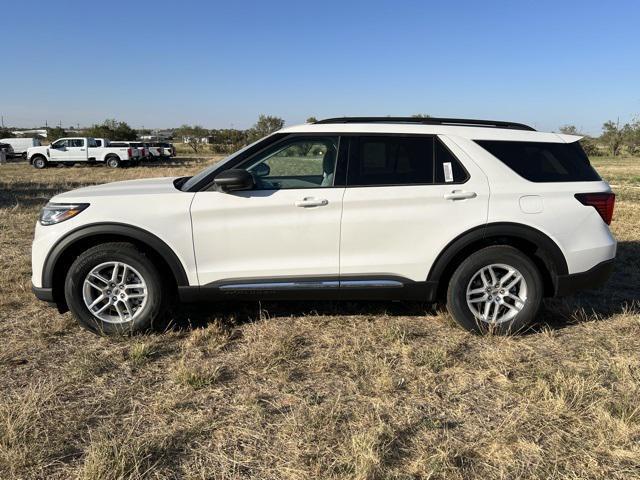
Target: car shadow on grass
198,315
619,295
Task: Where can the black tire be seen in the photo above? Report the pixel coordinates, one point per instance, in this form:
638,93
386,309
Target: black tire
468,270
113,161
24,155
151,312
39,162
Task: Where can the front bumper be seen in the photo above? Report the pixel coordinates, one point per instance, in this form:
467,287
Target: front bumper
593,278
44,294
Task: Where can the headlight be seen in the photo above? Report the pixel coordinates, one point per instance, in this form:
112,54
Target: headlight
53,213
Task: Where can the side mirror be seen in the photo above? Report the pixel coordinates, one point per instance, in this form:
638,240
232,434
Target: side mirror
234,179
261,170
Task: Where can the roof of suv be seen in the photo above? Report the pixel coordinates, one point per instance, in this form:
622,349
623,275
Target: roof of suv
471,129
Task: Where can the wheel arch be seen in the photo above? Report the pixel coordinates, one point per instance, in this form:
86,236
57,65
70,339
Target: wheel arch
66,250
538,246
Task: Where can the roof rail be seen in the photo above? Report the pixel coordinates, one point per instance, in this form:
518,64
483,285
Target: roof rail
461,122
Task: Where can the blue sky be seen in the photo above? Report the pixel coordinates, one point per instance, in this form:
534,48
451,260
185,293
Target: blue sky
162,64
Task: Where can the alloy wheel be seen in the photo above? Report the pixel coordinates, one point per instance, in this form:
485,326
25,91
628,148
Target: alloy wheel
115,292
496,293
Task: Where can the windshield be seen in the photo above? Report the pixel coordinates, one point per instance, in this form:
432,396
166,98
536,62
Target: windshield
204,173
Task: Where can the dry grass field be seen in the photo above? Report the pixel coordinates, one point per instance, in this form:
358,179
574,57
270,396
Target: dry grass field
316,390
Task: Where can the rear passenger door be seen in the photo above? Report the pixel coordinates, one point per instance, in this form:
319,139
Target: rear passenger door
407,197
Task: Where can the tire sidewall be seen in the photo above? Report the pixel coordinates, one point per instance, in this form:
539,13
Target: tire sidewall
456,295
81,268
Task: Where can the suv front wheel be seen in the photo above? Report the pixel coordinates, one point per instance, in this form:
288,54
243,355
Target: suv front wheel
114,288
497,289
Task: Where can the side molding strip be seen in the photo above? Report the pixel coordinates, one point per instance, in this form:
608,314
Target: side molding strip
312,285
279,286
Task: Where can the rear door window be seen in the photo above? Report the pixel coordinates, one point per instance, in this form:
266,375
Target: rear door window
543,161
390,160
402,160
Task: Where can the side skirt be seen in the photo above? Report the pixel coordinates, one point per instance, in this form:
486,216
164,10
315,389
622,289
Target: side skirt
328,288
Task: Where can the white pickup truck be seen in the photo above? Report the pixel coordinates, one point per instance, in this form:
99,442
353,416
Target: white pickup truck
69,151
136,154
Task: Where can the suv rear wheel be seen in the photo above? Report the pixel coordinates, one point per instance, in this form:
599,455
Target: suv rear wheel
113,162
114,288
497,289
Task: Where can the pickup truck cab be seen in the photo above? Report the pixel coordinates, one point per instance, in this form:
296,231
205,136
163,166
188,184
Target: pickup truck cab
69,151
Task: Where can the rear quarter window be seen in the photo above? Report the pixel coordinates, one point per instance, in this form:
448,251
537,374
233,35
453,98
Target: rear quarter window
543,161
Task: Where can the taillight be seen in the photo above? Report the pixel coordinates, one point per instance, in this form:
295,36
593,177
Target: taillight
130,152
602,202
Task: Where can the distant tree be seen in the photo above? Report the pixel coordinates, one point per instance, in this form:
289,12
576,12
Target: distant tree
311,120
227,140
55,133
265,125
569,130
587,142
421,115
111,129
5,133
192,136
612,136
631,136
123,131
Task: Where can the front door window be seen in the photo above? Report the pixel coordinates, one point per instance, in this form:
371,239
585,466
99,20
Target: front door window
296,163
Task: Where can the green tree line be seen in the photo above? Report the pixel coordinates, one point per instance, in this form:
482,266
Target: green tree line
615,138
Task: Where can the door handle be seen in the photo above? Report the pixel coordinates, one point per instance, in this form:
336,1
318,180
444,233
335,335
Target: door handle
312,202
82,149
459,195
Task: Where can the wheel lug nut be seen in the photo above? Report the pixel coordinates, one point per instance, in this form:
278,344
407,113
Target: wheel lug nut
114,298
502,291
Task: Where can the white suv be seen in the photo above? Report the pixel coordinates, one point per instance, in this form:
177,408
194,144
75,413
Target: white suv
491,216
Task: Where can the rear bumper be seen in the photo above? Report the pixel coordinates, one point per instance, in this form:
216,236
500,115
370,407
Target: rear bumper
592,278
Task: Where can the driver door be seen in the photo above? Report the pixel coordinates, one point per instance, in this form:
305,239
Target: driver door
68,150
58,151
285,232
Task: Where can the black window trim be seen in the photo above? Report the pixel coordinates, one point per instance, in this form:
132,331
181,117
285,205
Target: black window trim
342,161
